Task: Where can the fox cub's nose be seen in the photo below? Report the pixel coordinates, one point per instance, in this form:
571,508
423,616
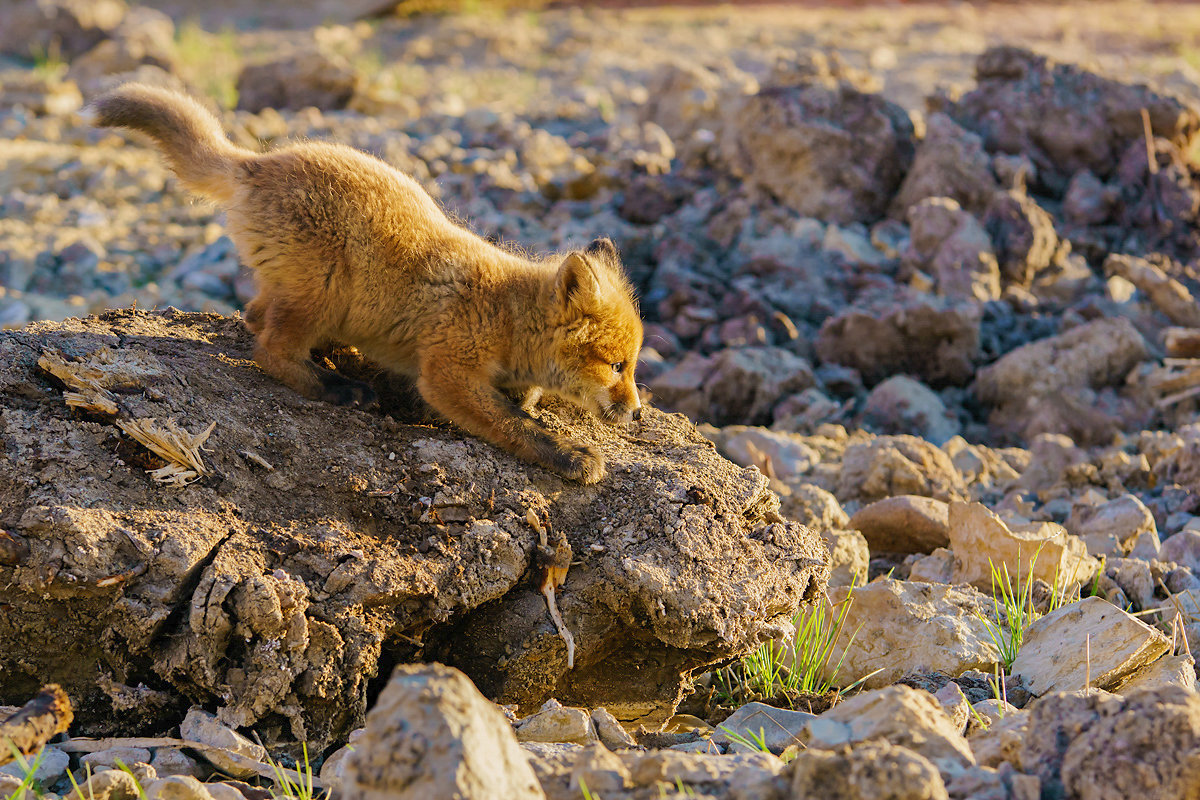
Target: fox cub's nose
637,414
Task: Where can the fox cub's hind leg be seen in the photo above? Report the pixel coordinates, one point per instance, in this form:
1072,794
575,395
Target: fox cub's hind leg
478,407
286,336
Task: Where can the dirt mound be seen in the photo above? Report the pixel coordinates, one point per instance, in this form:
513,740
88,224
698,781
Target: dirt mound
325,545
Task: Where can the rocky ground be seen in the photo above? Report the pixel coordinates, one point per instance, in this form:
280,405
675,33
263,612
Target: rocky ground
926,272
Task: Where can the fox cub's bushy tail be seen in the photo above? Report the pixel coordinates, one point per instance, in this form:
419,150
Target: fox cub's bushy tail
189,135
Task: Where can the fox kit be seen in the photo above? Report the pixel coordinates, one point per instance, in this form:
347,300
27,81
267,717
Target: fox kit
346,249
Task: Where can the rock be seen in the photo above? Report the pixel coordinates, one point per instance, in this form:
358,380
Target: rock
986,783
311,77
952,700
557,723
267,598
1088,200
1022,233
554,765
887,466
177,787
201,726
789,456
1048,386
852,248
223,791
1064,117
1149,747
1169,295
683,96
836,154
600,771
747,382
53,765
109,758
334,766
992,711
145,36
1124,518
1090,640
900,715
778,727
115,784
911,627
43,94
950,163
866,772
815,507
1002,741
849,557
68,28
699,770
903,405
1182,548
937,567
431,734
904,524
981,540
1133,578
1053,724
933,339
611,734
948,244
681,388
1167,671
169,761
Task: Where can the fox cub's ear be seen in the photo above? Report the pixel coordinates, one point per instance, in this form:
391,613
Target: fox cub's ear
576,283
604,248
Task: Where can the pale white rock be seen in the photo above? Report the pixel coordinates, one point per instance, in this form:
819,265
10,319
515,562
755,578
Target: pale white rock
991,711
952,700
53,765
749,446
815,507
911,627
113,784
1001,742
201,726
937,567
223,791
1146,546
109,758
1054,655
169,761
331,769
698,746
1134,579
979,539
672,766
610,731
432,734
849,557
778,727
9,784
1177,670
1183,548
555,722
1124,519
176,787
600,770
904,524
886,466
899,714
869,771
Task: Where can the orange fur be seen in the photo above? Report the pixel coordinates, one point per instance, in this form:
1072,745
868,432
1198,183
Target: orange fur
349,250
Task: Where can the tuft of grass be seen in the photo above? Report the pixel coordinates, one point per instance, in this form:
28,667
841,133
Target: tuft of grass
28,786
48,62
766,670
1016,610
301,789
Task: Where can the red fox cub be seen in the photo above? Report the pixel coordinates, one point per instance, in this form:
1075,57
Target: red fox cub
348,250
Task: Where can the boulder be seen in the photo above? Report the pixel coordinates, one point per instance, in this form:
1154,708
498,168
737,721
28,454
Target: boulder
736,386
555,722
1088,642
1148,747
906,523
906,627
903,405
1064,117
1169,670
950,162
887,466
779,728
933,339
902,716
309,77
431,734
1123,519
948,244
789,457
1049,386
1052,724
324,542
866,772
1022,233
830,152
980,540
203,727
63,28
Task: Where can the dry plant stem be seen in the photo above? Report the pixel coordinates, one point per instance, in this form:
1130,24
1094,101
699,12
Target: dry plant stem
35,723
96,745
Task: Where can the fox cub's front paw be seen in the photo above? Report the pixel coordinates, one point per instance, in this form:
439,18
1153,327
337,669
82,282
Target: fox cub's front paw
579,463
342,391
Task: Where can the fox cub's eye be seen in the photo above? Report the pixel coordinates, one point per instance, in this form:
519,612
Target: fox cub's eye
619,367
